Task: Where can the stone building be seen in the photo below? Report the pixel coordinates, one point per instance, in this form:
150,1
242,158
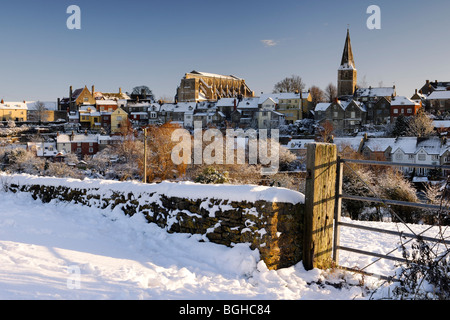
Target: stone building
200,86
347,73
346,116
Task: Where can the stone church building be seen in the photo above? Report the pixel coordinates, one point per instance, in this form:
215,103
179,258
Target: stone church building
347,73
201,86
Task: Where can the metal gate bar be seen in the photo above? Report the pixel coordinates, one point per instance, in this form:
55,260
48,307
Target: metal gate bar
394,202
395,233
340,196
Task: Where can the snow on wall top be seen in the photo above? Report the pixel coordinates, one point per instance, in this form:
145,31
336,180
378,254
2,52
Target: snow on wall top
188,190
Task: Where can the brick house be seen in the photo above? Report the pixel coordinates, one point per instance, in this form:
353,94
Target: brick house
401,105
79,144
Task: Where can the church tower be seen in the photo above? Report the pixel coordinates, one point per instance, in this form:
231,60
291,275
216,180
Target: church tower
347,73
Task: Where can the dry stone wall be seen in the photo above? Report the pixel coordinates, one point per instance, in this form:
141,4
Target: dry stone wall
274,228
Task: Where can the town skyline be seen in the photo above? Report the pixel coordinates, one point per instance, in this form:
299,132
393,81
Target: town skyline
156,43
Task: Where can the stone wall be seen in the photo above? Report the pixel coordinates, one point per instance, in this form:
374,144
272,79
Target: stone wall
274,228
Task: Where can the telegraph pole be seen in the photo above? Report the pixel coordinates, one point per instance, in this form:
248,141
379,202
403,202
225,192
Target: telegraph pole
145,155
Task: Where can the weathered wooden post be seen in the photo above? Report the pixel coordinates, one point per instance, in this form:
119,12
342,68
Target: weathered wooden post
320,198
338,209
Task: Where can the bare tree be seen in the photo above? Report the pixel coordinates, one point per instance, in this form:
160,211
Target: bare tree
421,125
41,111
317,95
289,84
331,92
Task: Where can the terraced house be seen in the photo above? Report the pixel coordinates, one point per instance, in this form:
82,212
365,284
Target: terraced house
345,116
15,111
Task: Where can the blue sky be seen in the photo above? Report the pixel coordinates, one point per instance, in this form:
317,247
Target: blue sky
154,43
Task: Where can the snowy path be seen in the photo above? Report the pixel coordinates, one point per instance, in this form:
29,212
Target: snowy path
66,251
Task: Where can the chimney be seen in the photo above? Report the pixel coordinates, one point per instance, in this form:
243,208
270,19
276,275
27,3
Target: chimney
71,93
120,90
234,108
93,90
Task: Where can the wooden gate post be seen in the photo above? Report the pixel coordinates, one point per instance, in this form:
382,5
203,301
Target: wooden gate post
320,196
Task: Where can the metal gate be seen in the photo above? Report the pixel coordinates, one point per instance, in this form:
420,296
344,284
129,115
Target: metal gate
338,224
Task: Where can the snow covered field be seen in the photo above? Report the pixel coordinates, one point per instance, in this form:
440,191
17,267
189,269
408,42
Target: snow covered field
66,251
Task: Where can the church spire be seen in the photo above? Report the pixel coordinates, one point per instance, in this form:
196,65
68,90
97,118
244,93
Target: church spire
347,56
347,73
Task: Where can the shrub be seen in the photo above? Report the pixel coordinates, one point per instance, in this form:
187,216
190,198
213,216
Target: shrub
210,175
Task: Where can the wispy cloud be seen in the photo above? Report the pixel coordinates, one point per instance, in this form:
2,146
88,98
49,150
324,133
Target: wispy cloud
269,43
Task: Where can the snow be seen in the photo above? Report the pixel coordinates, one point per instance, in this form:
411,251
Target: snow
67,251
379,144
439,95
403,101
375,92
188,190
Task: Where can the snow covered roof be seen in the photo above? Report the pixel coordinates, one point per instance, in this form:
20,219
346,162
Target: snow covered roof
226,102
322,106
406,144
439,95
403,101
379,144
106,102
178,107
345,103
431,145
375,92
283,95
66,138
87,108
14,105
213,75
248,103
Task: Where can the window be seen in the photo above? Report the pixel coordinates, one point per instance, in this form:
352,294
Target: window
411,157
91,150
335,114
395,111
422,157
409,110
353,114
399,156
